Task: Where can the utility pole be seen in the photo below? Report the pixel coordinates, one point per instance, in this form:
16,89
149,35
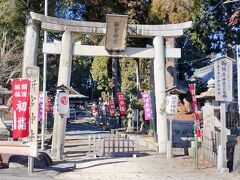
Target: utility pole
44,81
238,79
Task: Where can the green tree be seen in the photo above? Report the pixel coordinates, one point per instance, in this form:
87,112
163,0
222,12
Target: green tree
128,75
172,11
99,73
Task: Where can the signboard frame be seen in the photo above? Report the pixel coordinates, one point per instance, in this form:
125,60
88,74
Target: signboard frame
112,40
223,68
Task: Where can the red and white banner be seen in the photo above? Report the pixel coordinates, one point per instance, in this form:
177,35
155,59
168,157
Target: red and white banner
112,107
20,107
194,103
147,105
122,104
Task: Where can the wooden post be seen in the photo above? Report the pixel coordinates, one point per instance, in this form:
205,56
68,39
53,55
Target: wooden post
118,144
109,139
89,144
128,144
104,145
113,144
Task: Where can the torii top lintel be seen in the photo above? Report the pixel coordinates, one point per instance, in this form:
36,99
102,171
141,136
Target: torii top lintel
146,31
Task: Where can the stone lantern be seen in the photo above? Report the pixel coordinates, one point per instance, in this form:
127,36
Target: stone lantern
4,94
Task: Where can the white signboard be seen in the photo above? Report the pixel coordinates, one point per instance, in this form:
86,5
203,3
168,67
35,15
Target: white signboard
223,79
32,72
116,33
171,104
63,103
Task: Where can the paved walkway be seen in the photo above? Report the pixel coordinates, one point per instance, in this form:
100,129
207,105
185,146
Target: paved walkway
149,166
154,167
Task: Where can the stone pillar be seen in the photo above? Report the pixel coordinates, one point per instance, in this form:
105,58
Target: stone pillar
160,93
64,76
30,45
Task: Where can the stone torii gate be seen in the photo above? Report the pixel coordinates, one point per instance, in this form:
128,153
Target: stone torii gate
67,48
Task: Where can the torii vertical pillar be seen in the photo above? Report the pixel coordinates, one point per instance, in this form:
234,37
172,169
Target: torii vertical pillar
30,45
64,76
160,93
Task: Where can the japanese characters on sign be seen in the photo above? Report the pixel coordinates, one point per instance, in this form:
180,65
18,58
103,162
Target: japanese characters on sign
47,106
147,105
32,73
116,32
112,107
194,103
20,107
122,104
223,79
171,104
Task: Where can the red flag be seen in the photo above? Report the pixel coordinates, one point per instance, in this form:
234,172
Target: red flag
20,107
112,107
122,104
194,102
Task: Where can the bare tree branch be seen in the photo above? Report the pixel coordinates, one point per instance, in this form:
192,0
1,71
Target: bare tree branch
10,58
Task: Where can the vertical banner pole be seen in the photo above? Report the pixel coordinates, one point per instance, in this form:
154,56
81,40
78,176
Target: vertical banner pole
44,80
197,132
195,146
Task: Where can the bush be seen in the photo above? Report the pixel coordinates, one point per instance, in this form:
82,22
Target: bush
135,104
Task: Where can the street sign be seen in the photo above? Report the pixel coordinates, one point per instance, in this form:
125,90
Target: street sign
223,79
116,32
172,104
